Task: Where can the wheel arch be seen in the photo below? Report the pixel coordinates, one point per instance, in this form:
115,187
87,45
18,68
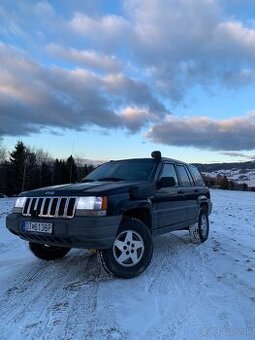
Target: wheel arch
205,206
204,203
142,213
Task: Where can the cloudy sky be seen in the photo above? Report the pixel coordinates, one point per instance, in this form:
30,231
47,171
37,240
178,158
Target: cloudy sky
116,79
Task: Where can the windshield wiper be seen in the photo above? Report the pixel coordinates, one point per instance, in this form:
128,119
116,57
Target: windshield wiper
87,180
114,179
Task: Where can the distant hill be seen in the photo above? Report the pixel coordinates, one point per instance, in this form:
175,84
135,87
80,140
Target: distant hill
225,166
239,172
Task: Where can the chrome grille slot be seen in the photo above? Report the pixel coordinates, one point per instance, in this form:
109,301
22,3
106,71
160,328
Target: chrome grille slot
71,206
25,209
46,206
58,207
33,202
62,205
53,206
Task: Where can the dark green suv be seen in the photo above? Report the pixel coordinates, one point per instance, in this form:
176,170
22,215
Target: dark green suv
116,209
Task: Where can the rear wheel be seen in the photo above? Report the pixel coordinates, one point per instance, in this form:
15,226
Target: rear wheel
200,231
131,252
48,253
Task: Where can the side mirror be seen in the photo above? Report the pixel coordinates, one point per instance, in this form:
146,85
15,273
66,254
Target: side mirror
166,182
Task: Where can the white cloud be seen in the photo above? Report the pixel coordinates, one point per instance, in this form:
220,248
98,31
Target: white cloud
206,133
126,67
33,97
176,44
185,43
88,58
107,30
135,118
43,8
237,34
134,92
238,154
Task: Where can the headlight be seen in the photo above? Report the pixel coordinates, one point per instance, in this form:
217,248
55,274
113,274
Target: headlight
19,204
91,206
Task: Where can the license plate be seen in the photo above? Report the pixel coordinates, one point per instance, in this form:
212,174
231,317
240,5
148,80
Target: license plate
37,227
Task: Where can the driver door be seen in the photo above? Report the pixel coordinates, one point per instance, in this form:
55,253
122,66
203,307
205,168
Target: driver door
169,201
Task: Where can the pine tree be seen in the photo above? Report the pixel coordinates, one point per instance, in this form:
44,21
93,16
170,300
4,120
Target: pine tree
16,177
57,173
45,175
71,169
32,177
87,169
2,151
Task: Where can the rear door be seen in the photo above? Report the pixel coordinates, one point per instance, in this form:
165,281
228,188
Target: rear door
199,189
189,191
170,201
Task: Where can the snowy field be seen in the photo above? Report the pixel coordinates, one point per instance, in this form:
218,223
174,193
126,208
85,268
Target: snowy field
188,291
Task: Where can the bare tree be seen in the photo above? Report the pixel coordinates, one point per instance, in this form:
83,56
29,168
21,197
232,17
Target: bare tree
2,151
43,158
41,155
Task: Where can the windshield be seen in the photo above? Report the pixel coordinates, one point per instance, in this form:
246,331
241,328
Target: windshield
134,170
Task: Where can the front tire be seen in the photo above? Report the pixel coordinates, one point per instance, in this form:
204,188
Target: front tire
200,231
48,253
131,252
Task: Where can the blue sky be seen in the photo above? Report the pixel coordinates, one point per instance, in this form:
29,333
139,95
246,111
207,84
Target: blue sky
117,79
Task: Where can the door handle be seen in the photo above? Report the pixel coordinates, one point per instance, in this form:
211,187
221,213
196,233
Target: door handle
180,192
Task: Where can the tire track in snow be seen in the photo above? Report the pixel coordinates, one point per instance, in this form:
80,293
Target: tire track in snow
90,315
38,289
55,312
60,295
21,285
171,253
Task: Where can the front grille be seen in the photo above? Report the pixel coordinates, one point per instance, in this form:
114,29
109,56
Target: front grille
52,207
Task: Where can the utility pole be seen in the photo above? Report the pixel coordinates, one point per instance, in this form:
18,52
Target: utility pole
71,168
24,173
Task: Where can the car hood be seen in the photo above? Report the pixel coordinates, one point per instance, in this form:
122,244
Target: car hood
85,189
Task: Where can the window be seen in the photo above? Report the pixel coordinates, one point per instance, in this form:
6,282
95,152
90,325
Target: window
169,171
196,175
130,170
185,181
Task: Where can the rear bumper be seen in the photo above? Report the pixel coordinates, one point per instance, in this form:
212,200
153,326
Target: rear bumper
78,232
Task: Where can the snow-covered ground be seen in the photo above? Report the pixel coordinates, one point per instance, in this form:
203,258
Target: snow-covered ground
188,292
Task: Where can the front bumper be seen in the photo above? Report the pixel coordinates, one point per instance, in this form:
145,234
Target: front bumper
78,232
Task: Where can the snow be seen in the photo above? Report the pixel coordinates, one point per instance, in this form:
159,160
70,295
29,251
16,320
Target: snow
188,292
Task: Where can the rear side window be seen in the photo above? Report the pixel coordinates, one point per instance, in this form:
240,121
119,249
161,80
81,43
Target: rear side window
169,171
196,175
184,177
